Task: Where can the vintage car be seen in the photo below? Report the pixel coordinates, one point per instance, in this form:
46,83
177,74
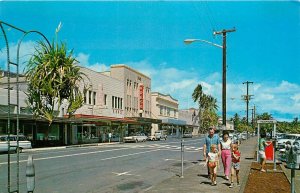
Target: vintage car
138,137
23,143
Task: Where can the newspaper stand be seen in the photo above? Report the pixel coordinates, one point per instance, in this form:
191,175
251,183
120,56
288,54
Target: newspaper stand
270,150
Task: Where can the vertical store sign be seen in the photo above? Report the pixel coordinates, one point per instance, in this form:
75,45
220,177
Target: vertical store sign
141,97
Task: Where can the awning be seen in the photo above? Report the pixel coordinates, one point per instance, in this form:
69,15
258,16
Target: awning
143,120
174,121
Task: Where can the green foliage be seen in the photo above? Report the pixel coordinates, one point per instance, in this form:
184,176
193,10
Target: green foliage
53,79
281,127
289,127
207,108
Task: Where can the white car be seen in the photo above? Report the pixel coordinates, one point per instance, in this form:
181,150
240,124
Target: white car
160,134
23,143
139,137
289,137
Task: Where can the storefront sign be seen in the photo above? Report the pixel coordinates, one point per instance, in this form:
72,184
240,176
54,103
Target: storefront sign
141,97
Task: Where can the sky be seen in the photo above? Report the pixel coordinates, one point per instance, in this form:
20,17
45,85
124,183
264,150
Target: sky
148,36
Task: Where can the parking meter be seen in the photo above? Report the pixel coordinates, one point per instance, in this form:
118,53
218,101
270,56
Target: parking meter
296,153
292,152
30,174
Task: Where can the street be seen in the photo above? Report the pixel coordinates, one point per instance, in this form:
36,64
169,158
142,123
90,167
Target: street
107,168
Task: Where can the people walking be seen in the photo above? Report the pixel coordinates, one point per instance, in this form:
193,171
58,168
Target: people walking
226,153
261,151
235,164
210,139
213,163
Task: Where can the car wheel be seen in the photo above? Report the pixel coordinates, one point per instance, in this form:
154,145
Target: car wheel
19,149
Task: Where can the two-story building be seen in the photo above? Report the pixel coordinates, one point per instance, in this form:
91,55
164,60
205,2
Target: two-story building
165,108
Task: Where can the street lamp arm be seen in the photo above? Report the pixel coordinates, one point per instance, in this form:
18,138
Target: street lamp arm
189,41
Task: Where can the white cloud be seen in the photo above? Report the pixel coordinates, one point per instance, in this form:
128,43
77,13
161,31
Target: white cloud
83,60
25,52
296,97
280,99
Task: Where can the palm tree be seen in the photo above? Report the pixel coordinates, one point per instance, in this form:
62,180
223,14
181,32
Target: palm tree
197,96
207,107
53,78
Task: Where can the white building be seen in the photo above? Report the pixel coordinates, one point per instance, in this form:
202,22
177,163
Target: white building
165,107
137,88
104,95
191,116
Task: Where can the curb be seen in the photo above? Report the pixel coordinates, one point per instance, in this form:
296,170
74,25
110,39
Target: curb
66,147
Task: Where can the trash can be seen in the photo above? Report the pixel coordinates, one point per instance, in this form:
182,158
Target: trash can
270,151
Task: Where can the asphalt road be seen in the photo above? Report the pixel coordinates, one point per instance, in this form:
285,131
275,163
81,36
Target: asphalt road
125,167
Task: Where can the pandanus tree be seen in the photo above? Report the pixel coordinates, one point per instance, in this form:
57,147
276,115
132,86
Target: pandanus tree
53,79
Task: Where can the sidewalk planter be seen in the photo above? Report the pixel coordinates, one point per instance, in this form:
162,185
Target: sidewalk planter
267,182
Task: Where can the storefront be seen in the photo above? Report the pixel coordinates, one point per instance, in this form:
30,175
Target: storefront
141,125
173,127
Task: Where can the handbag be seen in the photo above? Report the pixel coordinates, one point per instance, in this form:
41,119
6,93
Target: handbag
212,164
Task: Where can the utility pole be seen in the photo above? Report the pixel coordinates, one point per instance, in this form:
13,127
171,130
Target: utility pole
247,98
253,116
224,32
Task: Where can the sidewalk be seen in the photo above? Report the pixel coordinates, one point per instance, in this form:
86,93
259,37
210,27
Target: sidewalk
195,178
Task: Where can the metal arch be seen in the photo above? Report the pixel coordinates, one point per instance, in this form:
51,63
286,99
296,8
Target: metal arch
25,33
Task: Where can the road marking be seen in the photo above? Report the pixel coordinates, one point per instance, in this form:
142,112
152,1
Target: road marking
85,153
124,173
71,155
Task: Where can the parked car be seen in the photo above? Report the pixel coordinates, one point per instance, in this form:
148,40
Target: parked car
138,137
160,134
288,137
23,143
187,135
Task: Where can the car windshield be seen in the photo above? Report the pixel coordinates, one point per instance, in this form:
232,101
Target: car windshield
2,138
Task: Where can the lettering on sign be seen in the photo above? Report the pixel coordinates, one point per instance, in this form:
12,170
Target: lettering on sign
141,97
266,121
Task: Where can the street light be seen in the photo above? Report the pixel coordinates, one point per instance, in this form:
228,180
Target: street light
189,41
223,32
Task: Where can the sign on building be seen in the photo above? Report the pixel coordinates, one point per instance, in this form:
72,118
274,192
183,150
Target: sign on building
141,97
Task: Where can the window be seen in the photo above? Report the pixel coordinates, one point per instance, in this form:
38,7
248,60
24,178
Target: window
112,101
85,93
105,98
168,111
161,110
94,98
121,104
116,102
90,97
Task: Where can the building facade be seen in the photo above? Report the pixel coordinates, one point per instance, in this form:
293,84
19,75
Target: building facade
191,117
137,90
165,108
137,98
